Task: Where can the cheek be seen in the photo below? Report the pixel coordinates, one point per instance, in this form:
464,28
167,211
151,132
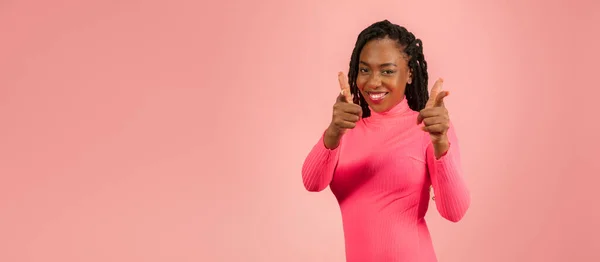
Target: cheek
399,83
399,88
360,83
399,91
396,84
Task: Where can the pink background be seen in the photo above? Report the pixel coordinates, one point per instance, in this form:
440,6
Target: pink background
176,130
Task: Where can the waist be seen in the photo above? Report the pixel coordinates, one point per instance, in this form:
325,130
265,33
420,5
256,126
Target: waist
388,241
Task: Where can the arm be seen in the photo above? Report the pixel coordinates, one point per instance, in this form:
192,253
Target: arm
452,197
319,165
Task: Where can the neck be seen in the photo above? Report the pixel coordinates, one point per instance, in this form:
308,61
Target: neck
398,110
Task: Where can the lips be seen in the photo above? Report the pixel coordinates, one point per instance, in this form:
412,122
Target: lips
377,96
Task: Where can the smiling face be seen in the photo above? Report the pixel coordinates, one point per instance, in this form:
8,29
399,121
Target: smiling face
383,73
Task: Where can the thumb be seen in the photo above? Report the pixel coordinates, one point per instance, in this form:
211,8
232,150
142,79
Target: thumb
439,100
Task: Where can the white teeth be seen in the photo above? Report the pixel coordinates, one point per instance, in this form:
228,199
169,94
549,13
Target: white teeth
377,96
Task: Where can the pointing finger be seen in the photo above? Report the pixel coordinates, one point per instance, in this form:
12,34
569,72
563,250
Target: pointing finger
435,90
342,97
343,81
345,87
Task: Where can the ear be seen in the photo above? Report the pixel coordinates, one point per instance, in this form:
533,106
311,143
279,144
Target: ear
409,81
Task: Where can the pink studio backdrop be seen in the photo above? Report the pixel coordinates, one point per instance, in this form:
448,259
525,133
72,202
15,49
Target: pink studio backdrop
176,130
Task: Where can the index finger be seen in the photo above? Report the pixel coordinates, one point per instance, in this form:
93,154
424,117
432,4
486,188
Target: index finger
435,91
345,87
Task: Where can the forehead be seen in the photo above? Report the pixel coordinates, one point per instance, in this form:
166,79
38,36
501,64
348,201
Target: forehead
381,51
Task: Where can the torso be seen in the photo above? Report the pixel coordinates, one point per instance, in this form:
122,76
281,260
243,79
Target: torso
382,185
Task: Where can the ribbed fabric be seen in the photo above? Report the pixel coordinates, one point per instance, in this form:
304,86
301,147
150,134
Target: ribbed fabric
380,174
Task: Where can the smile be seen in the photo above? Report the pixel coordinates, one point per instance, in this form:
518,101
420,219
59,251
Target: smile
377,96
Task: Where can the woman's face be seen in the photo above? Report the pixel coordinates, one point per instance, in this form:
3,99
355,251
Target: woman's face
383,74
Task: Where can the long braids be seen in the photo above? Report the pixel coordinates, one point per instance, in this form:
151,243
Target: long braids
416,92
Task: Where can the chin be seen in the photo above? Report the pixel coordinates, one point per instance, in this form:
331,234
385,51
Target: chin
382,106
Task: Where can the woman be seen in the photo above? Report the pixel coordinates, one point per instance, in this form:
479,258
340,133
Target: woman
389,141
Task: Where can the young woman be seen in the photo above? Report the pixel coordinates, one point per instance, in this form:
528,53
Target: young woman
389,141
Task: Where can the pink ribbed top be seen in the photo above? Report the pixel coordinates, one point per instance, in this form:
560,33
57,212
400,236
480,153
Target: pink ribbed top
380,175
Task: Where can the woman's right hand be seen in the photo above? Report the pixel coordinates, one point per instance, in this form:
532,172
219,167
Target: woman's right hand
345,115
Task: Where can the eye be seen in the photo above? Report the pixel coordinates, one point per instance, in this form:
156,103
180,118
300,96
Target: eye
388,72
363,70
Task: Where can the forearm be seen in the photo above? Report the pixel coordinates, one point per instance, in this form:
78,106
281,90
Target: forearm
452,197
319,165
332,138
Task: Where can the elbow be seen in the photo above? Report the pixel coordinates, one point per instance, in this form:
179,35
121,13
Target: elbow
454,217
457,212
312,186
312,180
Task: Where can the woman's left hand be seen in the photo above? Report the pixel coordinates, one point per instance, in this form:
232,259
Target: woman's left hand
435,119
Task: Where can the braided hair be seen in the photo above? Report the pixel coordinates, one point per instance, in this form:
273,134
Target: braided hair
416,92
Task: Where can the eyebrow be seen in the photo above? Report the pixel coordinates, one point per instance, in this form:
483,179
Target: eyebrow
382,65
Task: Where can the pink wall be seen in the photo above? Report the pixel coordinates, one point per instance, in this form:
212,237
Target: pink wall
176,130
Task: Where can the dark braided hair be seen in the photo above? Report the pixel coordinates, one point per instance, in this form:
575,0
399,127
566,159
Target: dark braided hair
416,92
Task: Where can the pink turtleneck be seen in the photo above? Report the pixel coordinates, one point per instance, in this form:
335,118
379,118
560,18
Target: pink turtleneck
380,174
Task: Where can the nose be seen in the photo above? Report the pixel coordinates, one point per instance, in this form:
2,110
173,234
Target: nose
374,81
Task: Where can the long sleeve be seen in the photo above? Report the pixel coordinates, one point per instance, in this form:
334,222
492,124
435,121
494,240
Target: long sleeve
319,166
377,175
452,196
